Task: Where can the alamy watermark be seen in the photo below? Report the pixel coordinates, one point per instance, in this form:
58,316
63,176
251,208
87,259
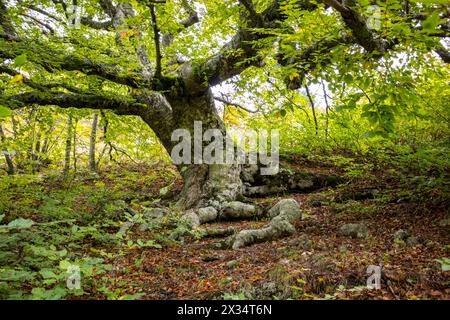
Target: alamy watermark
74,277
73,16
374,17
223,150
374,279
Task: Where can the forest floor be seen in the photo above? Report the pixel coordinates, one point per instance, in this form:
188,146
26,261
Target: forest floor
317,262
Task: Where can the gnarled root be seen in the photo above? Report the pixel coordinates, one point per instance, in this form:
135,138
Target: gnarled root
217,232
283,214
285,180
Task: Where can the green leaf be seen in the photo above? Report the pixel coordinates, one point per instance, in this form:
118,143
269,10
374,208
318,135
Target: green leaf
283,112
20,60
4,112
348,78
164,191
445,263
47,273
431,22
65,264
50,294
131,296
15,275
20,224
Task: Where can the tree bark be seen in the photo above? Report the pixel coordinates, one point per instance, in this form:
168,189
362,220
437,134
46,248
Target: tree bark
93,138
204,184
9,162
74,149
216,185
68,146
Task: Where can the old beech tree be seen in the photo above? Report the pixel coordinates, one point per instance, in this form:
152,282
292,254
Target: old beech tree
159,59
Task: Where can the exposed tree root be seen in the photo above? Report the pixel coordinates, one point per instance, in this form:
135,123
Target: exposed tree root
282,214
217,232
219,205
285,181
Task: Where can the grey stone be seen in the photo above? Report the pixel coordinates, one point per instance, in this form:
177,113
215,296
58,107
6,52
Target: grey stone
207,214
154,213
282,226
287,209
269,288
143,227
414,241
191,219
124,228
303,184
236,209
302,242
248,172
354,230
401,235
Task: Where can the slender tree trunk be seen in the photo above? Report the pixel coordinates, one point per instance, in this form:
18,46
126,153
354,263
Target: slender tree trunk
35,153
313,109
37,148
92,143
68,146
14,126
8,159
327,110
75,145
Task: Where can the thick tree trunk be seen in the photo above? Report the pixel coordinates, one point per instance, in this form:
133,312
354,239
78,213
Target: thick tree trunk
204,184
216,185
212,191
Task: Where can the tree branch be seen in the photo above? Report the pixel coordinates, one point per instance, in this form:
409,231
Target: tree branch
443,53
43,12
38,86
6,28
39,22
122,105
157,42
90,22
192,19
226,102
53,60
193,16
357,23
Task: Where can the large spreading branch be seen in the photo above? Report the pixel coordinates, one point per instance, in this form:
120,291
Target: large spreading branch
121,105
37,85
356,22
56,60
